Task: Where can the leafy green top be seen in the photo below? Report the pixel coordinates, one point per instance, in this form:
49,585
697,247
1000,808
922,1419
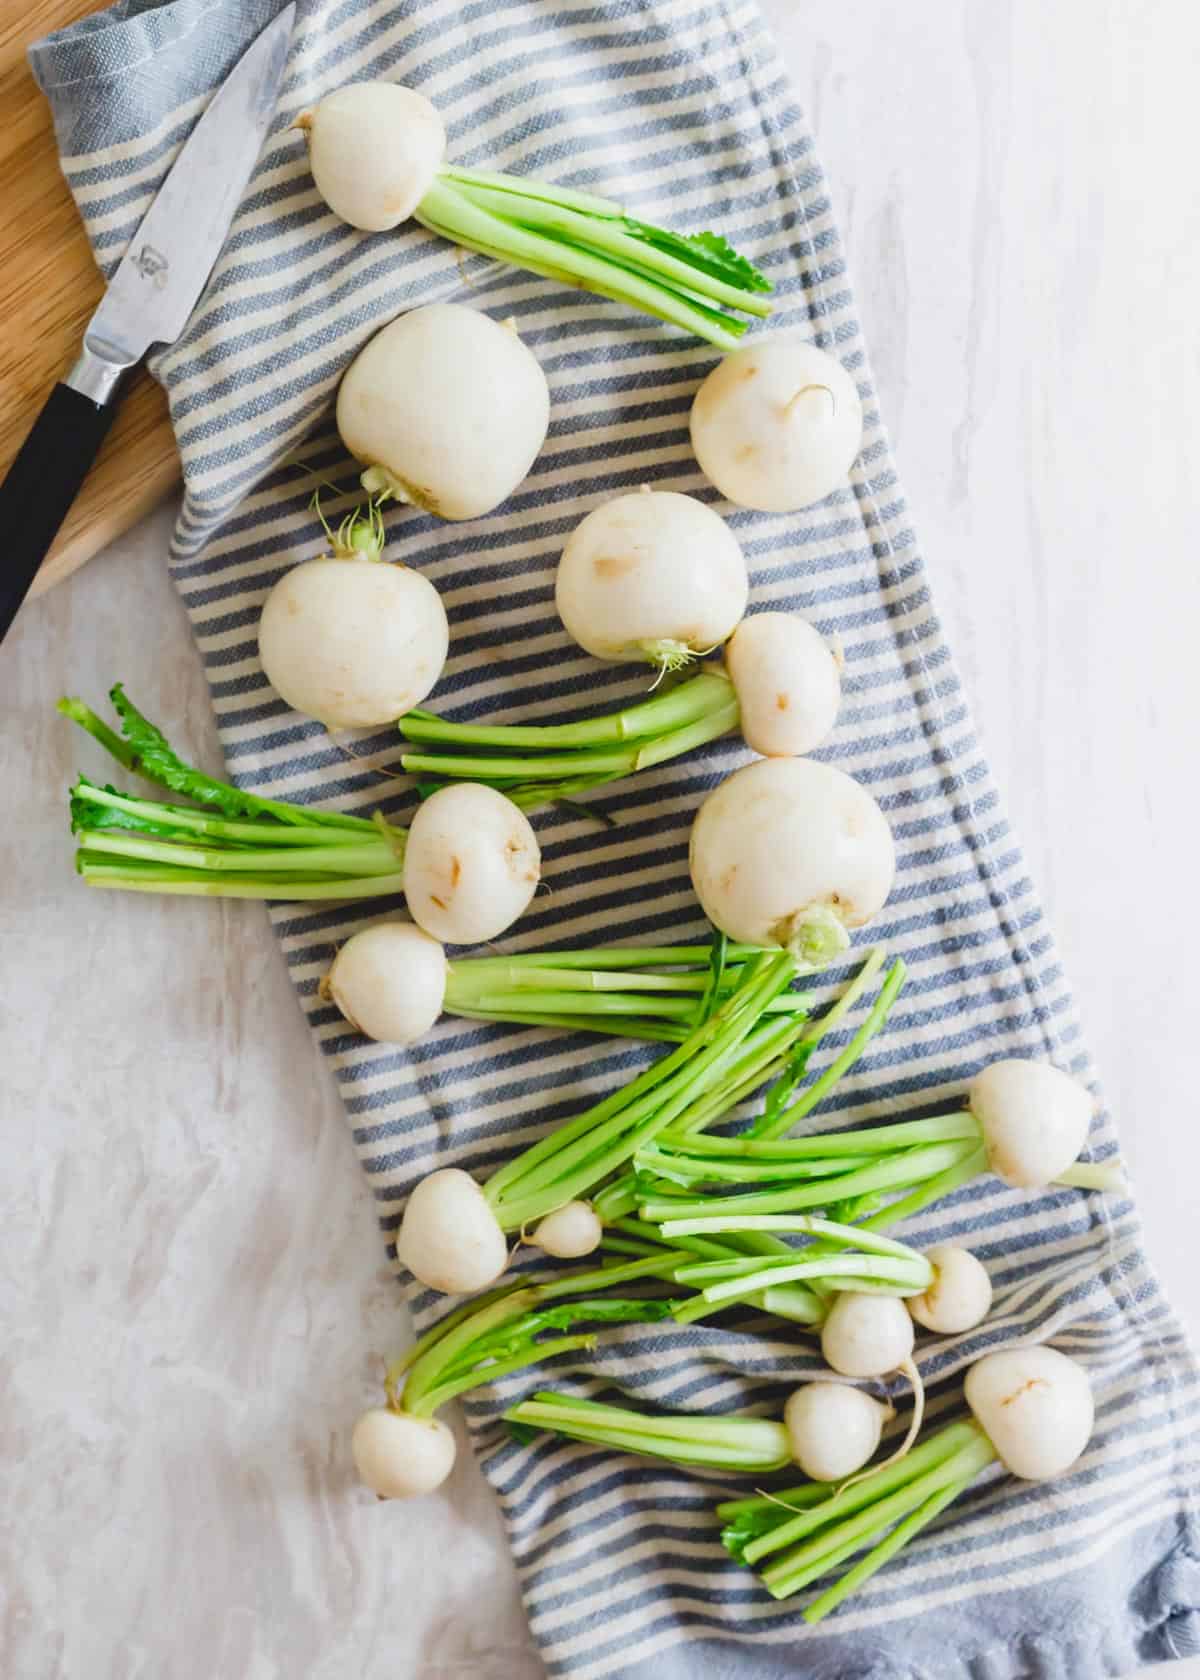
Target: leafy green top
146,750
709,253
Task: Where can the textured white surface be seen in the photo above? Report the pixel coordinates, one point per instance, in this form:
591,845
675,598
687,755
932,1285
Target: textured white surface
191,1285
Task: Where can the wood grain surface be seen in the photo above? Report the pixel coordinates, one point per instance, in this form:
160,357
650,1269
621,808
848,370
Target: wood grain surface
49,286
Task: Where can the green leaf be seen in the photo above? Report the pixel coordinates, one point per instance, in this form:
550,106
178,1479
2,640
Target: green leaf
156,759
709,253
780,1093
737,1535
87,814
510,1338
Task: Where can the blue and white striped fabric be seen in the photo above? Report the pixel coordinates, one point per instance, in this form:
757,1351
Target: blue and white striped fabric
680,108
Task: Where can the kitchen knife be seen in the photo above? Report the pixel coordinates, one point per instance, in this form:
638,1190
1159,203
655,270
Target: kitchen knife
149,298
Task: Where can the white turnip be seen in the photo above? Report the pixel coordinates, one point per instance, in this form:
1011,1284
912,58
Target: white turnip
449,1237
1035,1406
651,576
389,981
399,1456
471,864
791,852
867,1335
1034,1119
570,1232
446,408
374,149
833,1429
352,643
960,1296
788,683
777,425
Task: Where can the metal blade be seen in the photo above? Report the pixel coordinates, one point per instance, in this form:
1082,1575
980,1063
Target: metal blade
162,274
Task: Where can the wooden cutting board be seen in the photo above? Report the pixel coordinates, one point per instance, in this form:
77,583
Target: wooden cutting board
49,286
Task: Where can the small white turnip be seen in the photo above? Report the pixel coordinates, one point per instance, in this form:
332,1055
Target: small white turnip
867,1335
389,981
833,1429
777,424
787,682
471,864
569,1232
1035,1406
352,643
374,149
960,1296
400,1456
653,576
790,852
447,409
1034,1119
449,1238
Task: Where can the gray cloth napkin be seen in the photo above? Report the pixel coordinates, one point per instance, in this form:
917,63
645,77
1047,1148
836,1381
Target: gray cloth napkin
679,108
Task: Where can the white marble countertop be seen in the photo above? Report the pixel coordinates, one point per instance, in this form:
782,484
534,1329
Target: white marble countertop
191,1284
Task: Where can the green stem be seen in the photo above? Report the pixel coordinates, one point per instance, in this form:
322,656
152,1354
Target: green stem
854,1270
534,1355
576,229
893,1172
522,187
698,697
581,1153
447,209
188,883
148,815
779,1124
933,1190
325,861
1094,1175
617,957
790,1531
754,1445
831,1545
887,1549
632,1026
531,781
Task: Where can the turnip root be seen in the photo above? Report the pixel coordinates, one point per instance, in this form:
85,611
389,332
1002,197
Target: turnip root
787,682
447,409
651,576
833,1429
352,643
570,1232
791,852
867,1335
449,1237
400,1456
777,425
1034,1119
960,1296
1036,1407
471,865
374,149
389,981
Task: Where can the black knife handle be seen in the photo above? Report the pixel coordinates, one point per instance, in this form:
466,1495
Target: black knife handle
42,483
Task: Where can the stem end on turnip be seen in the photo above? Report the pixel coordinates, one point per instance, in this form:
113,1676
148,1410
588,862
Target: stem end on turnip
667,656
815,937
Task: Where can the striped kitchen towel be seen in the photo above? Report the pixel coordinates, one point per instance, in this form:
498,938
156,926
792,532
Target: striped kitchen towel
678,107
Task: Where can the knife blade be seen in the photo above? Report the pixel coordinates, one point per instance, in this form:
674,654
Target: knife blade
148,301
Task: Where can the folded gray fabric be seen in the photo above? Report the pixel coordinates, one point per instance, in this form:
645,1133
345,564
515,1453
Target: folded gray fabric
680,108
